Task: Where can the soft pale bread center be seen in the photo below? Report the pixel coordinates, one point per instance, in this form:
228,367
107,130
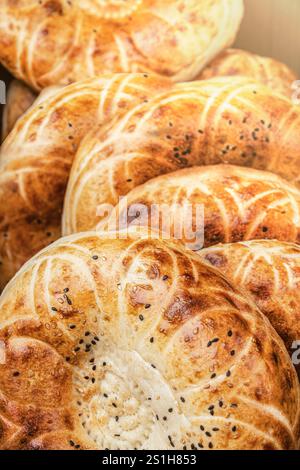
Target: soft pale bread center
124,403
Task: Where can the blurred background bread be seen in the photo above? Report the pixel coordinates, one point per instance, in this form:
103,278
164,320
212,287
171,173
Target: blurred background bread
235,62
63,42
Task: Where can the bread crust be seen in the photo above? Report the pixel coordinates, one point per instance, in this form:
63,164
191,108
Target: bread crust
36,157
237,203
224,120
268,271
236,62
60,42
168,335
140,121
19,99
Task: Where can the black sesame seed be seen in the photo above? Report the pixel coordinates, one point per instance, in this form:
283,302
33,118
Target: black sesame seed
68,299
165,278
234,429
16,374
147,306
95,257
141,317
182,399
228,373
202,428
152,340
210,445
229,333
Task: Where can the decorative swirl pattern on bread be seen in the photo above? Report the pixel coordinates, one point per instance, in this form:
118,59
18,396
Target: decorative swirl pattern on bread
146,128
270,72
58,42
35,159
136,343
238,204
226,120
269,272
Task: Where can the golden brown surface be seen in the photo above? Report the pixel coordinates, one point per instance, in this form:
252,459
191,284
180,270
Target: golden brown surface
93,329
19,99
269,72
238,204
269,272
141,131
223,120
58,42
36,157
